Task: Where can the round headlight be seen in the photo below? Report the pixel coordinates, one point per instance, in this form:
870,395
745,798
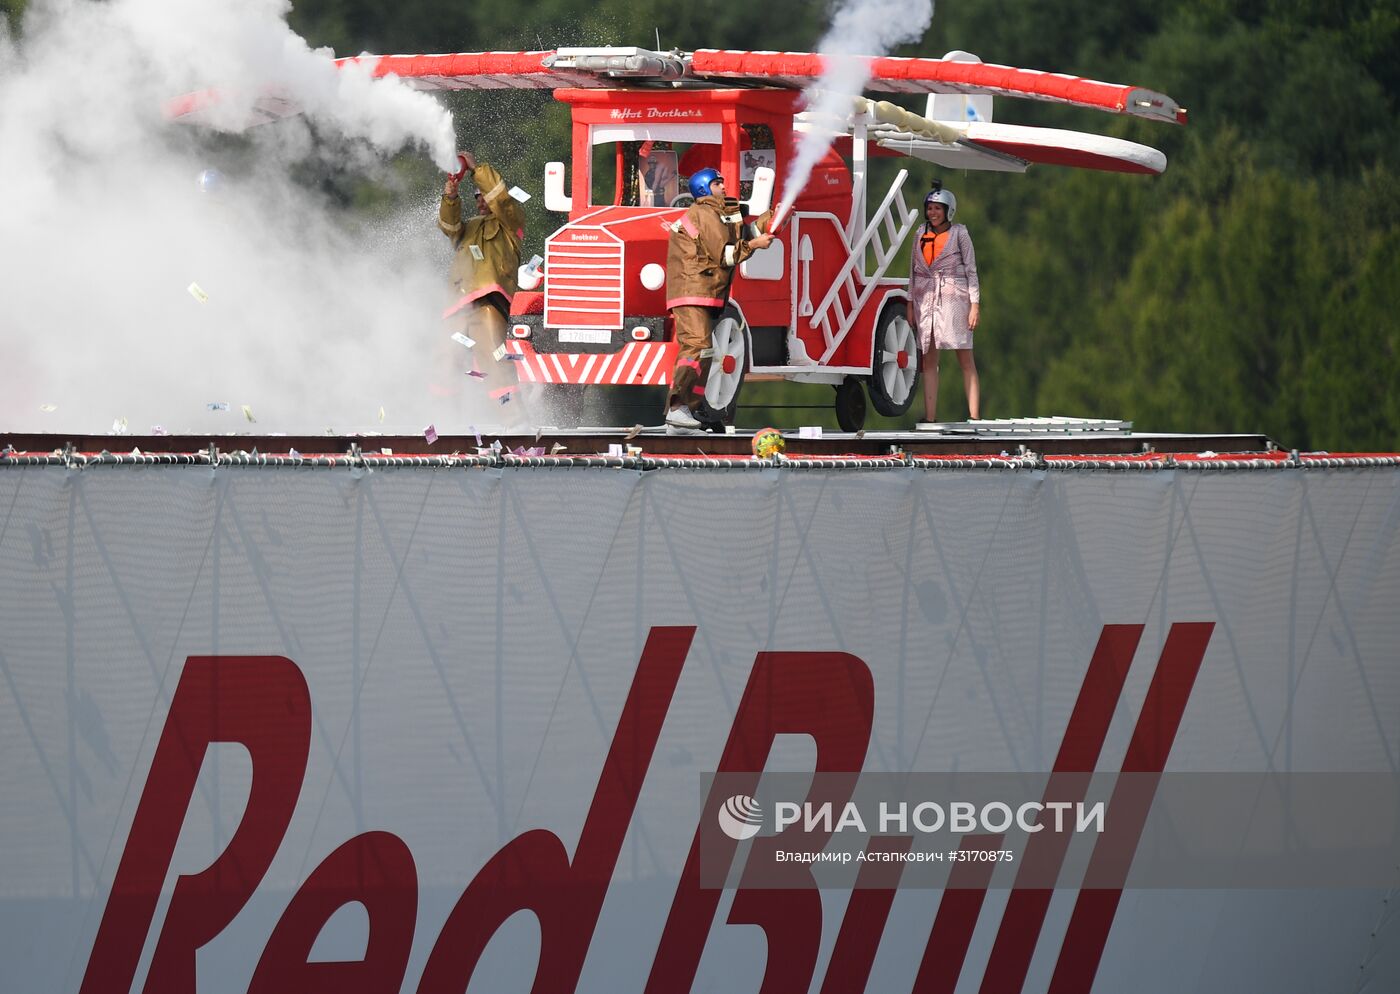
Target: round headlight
653,276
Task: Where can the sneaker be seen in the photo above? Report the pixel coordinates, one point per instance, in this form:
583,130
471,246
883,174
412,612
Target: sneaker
676,430
680,417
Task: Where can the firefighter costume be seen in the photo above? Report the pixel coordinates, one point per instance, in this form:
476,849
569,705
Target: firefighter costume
484,272
706,246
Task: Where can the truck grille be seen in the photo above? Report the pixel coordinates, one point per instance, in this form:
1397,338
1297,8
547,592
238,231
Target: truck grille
583,284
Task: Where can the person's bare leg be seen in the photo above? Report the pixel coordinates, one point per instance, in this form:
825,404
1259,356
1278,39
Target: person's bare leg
972,385
930,385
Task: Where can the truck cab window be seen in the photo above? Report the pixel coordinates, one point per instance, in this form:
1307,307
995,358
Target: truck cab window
649,172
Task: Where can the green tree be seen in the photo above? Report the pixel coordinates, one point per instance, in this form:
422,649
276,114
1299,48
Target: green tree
1349,400
14,11
1210,329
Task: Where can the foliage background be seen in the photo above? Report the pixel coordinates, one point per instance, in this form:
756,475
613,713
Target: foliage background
1253,287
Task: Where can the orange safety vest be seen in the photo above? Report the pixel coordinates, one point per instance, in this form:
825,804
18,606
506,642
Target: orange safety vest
931,244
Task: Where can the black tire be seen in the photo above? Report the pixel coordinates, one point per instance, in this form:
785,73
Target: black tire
892,386
850,405
729,337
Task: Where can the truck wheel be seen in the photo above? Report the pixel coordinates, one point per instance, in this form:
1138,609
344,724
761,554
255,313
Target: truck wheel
894,372
850,405
730,342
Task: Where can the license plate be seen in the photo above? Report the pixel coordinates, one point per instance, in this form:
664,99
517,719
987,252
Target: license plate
593,336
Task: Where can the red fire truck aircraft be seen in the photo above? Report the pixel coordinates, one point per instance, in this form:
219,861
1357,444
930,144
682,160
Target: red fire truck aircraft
820,305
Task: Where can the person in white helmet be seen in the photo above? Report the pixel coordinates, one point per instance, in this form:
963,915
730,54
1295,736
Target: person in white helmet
945,298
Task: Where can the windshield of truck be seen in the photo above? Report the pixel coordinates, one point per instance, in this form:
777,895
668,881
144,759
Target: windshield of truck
651,166
641,173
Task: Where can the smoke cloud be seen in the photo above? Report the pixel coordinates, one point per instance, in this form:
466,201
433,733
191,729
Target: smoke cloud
152,270
858,28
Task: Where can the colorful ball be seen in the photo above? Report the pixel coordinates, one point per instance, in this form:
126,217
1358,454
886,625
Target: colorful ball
768,443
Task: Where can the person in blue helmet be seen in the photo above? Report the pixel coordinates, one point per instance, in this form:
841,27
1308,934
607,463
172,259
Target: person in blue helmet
706,246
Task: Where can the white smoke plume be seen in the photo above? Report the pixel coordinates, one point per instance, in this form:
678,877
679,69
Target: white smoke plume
858,28
128,291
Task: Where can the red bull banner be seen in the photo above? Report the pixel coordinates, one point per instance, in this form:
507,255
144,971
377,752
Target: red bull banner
408,729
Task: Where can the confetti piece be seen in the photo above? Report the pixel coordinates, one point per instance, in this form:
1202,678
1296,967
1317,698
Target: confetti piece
474,431
159,430
430,433
476,374
462,339
505,399
557,448
197,292
634,450
119,426
48,408
615,450
518,194
294,453
248,413
217,405
809,431
476,253
499,354
861,433
513,357
381,414
632,433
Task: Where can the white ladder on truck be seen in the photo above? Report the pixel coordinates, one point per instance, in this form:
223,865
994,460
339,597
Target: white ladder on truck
886,231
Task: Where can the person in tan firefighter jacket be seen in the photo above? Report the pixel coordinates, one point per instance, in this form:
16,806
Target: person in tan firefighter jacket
484,270
706,246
